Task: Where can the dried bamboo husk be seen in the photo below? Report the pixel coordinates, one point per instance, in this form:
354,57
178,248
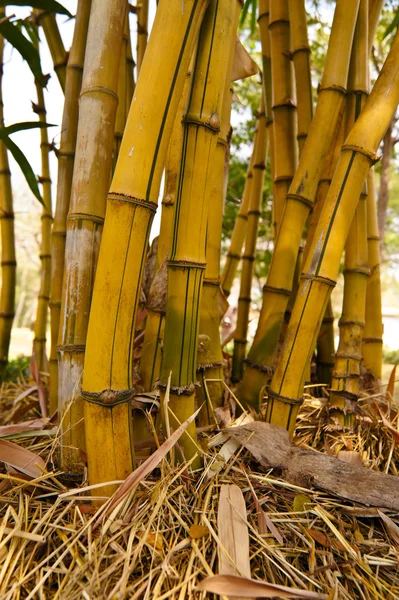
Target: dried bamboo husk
97,112
260,361
108,374
186,265
66,156
8,258
321,269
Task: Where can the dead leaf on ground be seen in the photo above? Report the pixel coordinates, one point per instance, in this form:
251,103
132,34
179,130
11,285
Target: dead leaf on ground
21,459
229,585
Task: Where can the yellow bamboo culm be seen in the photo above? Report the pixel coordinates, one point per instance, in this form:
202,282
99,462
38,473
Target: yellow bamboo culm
8,261
346,382
373,328
40,328
151,354
263,21
321,268
66,156
283,106
248,258
187,264
301,58
240,229
142,32
48,23
91,179
132,200
123,107
130,66
300,199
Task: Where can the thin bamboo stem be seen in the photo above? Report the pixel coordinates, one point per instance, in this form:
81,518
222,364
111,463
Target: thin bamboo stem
187,264
301,58
108,375
91,178
346,383
300,199
58,53
321,269
66,156
248,258
8,259
142,31
121,111
39,342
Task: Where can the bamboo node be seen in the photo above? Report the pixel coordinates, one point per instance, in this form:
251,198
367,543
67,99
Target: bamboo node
241,216
6,215
284,399
274,290
8,263
207,366
233,255
75,66
43,256
108,398
118,197
302,199
287,104
372,340
372,156
42,297
183,390
4,315
328,320
211,281
71,347
262,368
359,270
260,166
5,172
168,200
319,278
354,356
300,49
86,217
102,89
332,88
213,123
185,264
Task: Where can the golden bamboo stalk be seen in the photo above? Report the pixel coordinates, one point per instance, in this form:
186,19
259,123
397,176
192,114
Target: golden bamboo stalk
130,65
122,108
283,106
248,258
142,32
66,156
40,328
151,354
91,179
187,264
373,328
299,201
107,381
346,383
321,269
303,78
48,23
8,261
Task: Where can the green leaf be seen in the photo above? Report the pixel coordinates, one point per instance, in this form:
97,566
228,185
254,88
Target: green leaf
24,166
6,131
26,49
394,23
48,5
245,10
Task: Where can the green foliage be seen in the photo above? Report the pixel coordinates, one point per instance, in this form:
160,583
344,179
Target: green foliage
390,357
13,34
19,156
48,5
16,368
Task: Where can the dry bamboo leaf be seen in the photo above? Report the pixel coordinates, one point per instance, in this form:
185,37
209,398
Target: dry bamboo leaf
26,393
273,529
198,531
230,585
41,387
152,539
233,533
272,447
391,527
387,424
25,461
320,538
351,457
149,465
391,384
301,501
31,425
243,65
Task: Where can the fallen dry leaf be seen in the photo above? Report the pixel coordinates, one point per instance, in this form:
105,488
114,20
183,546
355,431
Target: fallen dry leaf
21,459
229,585
320,538
198,531
351,457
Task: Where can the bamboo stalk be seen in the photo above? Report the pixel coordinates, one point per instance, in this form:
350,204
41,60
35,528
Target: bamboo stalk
283,105
151,354
142,31
8,260
107,382
346,383
122,108
66,156
373,328
248,258
186,265
91,178
58,53
130,66
40,328
301,58
299,201
321,269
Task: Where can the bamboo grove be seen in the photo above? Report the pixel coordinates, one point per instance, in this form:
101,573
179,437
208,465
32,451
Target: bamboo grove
135,347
